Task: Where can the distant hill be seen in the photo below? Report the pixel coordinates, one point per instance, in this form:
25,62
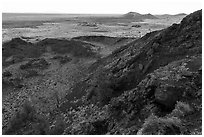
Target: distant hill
170,15
132,15
135,15
180,14
149,16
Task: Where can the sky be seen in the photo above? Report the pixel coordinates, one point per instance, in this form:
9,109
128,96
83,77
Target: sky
101,6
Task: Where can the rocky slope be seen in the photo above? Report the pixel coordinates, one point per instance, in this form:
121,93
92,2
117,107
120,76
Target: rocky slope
151,85
37,76
18,50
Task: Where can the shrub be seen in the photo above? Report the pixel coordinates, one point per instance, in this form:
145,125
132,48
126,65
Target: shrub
28,114
88,120
65,59
21,117
7,74
40,125
57,98
160,126
31,73
136,26
58,127
57,57
16,82
181,109
25,66
102,89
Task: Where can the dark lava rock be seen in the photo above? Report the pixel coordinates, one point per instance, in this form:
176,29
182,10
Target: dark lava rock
7,74
35,63
136,26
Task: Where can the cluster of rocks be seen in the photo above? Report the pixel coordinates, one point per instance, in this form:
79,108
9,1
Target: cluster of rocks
136,26
40,63
62,59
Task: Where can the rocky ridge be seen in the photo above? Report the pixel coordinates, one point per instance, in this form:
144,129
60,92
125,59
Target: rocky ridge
151,82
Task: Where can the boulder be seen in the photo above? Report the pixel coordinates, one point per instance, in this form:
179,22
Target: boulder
167,95
141,67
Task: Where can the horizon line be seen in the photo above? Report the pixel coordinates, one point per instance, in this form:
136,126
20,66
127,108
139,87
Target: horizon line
56,13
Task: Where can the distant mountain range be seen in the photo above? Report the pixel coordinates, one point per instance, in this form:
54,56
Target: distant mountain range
135,15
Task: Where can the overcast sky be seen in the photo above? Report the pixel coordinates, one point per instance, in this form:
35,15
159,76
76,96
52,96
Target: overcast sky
101,6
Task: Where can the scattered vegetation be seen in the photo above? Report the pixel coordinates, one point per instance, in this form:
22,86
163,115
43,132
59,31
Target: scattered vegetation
161,126
88,120
151,86
27,116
